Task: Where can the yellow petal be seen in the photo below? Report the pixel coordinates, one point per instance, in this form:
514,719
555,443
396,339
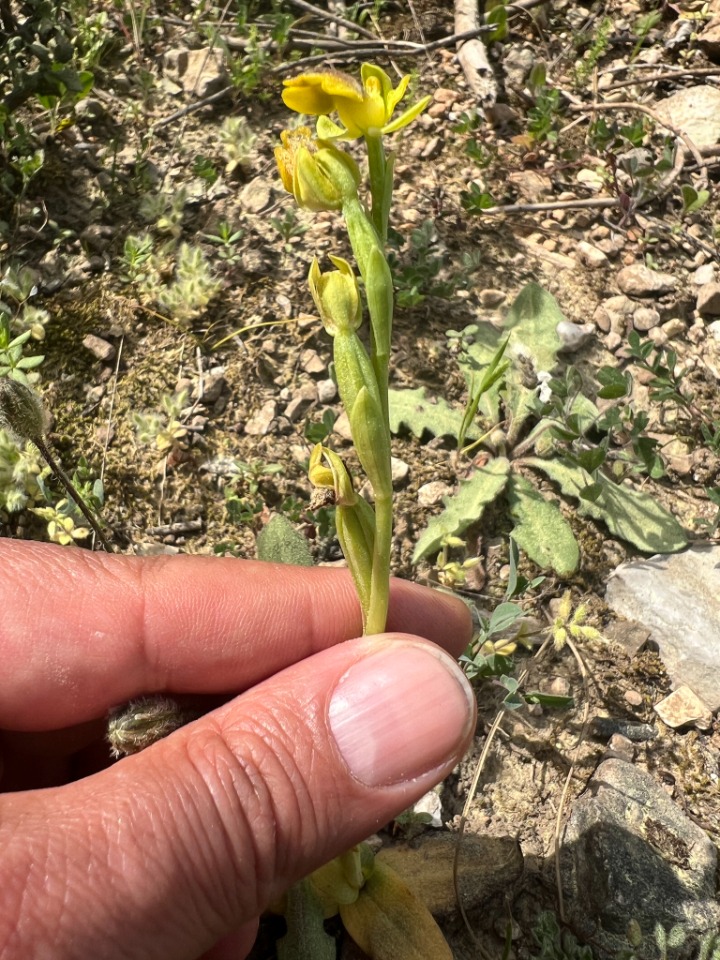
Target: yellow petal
310,100
393,97
327,130
408,116
314,93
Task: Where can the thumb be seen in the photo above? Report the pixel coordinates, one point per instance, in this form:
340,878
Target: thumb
168,851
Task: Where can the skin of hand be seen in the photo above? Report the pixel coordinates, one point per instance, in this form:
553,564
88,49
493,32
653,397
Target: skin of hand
314,741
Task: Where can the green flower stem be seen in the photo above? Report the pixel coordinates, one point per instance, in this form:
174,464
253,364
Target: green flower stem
380,201
380,583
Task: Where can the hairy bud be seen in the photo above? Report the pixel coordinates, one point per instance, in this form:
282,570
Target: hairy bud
21,411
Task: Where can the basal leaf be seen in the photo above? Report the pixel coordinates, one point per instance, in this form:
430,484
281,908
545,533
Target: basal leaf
279,542
630,514
541,530
412,409
465,507
534,343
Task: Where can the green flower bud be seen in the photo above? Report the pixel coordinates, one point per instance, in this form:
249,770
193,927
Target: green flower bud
337,296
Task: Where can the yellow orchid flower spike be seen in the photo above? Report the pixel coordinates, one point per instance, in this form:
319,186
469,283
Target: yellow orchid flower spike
364,108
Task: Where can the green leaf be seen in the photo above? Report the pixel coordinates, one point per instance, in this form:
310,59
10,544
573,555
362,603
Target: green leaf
541,530
279,542
552,701
534,342
465,507
306,937
614,383
412,409
630,514
503,617
591,459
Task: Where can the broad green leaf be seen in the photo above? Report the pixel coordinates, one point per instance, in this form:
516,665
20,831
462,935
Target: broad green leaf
630,514
541,530
534,343
411,408
279,542
465,507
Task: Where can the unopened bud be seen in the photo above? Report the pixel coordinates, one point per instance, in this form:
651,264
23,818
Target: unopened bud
21,411
140,723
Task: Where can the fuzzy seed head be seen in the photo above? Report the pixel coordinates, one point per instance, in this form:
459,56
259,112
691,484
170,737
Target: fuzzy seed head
21,411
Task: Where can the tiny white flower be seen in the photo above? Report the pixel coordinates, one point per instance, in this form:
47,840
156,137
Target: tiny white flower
544,391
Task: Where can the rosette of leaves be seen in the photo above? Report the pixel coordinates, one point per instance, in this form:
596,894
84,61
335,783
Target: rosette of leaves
539,426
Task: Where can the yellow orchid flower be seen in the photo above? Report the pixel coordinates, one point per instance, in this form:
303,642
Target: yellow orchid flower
320,176
365,109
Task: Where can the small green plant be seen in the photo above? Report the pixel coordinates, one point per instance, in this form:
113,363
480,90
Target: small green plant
420,271
24,418
43,60
20,469
318,432
475,199
205,169
165,211
555,943
643,26
13,362
664,944
136,261
17,287
666,386
600,42
692,199
163,429
244,497
289,226
490,654
560,435
544,115
226,241
238,141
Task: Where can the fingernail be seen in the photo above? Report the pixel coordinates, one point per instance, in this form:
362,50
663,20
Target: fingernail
401,712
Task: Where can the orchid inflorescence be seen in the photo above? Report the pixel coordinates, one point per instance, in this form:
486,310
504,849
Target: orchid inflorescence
322,176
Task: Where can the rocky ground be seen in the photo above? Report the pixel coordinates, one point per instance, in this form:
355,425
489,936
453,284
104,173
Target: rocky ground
579,158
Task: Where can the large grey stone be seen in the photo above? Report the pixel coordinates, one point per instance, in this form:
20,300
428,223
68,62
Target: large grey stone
630,853
695,111
678,599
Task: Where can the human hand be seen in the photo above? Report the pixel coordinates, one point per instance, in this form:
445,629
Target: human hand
173,853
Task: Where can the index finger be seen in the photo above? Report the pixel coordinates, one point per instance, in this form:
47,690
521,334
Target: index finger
84,631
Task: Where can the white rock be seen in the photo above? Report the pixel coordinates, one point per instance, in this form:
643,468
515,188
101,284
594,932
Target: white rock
432,493
696,111
645,318
684,708
259,424
591,256
637,280
677,598
708,300
399,470
327,390
574,335
704,274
